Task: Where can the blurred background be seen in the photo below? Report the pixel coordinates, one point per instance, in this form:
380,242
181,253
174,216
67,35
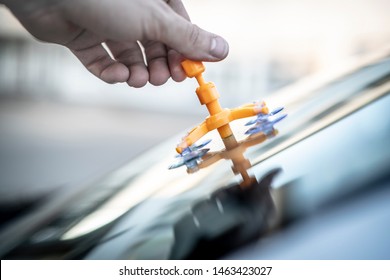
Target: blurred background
61,126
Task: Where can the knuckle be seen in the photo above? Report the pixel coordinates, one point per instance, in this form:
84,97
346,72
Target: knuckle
193,34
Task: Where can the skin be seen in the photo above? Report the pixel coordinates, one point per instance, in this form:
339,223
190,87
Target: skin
158,30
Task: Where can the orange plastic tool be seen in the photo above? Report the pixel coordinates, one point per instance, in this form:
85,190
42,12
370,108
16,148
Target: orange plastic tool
219,118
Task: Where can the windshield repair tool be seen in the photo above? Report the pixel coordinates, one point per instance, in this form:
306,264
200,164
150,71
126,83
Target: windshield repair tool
194,156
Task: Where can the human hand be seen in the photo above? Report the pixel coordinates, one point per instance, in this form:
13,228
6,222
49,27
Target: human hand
160,30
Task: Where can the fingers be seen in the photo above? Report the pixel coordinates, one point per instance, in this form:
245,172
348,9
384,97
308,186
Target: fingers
99,63
157,72
130,54
167,34
156,57
129,65
87,47
174,62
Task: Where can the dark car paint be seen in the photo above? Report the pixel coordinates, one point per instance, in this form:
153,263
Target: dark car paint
331,151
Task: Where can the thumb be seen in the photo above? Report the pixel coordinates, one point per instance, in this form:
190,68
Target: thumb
190,40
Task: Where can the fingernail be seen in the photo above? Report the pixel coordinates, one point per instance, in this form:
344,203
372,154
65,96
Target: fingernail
219,48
